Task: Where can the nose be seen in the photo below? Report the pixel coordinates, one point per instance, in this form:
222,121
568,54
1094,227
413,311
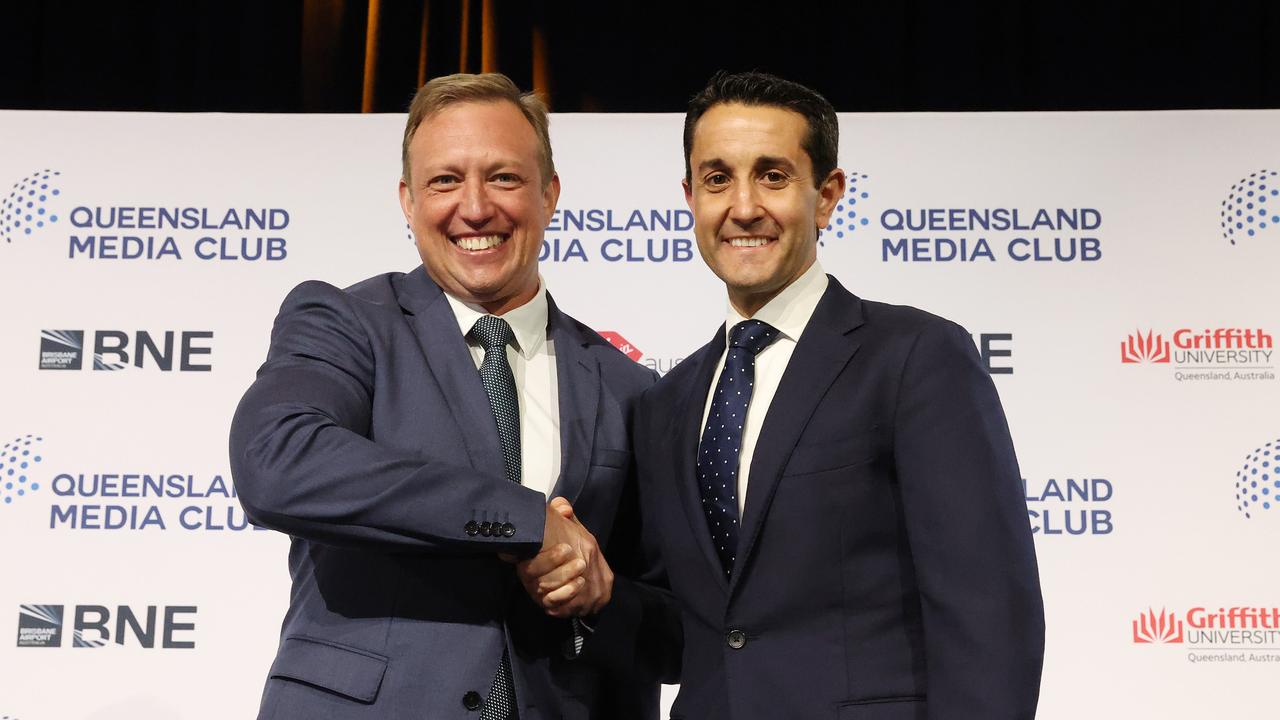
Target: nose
744,208
477,207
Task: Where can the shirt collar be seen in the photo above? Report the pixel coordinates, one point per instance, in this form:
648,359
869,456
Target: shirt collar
528,322
789,311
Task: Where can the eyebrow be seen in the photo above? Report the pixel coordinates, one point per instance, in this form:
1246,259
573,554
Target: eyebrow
761,163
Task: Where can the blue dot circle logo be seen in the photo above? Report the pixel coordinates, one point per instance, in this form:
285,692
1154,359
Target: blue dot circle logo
1257,485
28,206
851,211
20,460
1252,206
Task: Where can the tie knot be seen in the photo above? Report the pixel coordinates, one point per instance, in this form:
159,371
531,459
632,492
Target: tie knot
752,335
493,333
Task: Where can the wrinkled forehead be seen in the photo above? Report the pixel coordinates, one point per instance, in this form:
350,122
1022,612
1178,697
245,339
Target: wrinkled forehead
736,134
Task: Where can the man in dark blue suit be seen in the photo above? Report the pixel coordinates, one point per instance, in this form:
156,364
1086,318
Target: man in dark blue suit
831,479
407,432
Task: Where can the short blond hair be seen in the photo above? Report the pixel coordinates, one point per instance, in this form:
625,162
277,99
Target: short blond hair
442,92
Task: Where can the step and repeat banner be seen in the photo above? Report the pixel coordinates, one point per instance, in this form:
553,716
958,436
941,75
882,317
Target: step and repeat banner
1119,272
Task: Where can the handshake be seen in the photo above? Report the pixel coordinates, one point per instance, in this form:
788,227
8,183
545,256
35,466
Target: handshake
569,577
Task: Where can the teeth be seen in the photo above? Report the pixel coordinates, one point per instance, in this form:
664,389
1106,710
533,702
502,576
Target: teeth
480,243
748,242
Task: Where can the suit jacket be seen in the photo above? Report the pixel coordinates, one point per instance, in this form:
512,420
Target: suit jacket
885,568
368,437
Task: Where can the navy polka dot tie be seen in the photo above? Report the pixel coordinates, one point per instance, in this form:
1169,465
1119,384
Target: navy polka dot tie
494,334
721,444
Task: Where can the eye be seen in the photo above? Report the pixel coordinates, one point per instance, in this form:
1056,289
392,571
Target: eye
507,179
775,178
443,182
716,181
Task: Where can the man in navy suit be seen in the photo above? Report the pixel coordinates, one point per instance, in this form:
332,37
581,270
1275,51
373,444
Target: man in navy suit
407,432
831,479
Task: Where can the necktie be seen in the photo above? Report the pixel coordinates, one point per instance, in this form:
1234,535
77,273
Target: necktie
721,444
494,334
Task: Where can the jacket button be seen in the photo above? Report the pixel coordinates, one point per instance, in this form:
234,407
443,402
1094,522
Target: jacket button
471,700
737,639
486,528
508,530
472,528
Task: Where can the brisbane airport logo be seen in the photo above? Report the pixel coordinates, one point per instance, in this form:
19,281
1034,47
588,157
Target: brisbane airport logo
1252,205
660,365
168,351
1068,507
619,235
34,490
143,232
1222,354
150,627
1235,634
1257,483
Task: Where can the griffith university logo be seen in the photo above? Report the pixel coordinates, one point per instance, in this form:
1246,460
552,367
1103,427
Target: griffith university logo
848,215
1252,205
18,460
28,207
1151,628
1222,354
1257,485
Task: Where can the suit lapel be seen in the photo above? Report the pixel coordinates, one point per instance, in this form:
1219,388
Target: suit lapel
450,362
823,351
578,389
687,430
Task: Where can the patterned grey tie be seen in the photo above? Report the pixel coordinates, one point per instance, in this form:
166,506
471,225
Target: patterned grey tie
494,334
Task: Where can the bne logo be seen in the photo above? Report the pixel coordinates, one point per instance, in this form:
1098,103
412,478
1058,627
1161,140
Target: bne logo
622,344
184,351
1151,628
1141,348
95,626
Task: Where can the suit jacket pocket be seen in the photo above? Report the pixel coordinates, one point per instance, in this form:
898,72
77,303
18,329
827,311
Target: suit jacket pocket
604,457
350,672
817,457
904,708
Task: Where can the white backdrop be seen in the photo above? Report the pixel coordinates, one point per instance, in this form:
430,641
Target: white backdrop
1136,472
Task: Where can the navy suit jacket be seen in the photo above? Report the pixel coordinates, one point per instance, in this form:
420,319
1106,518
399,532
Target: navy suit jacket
885,568
368,437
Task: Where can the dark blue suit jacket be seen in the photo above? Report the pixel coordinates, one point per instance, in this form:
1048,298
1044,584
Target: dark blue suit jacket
885,569
368,437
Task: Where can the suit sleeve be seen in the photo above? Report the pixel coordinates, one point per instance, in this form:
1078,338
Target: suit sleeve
303,463
638,637
969,535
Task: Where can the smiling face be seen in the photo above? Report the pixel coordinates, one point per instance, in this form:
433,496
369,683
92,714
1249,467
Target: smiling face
477,203
755,202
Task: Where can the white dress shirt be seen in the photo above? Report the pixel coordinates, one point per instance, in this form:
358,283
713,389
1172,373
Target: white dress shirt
789,313
533,365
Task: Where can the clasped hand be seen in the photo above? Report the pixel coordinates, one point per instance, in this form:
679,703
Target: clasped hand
569,577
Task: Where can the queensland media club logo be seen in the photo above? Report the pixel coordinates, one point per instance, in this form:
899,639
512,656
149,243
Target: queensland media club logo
150,627
660,365
1251,207
168,351
1222,354
849,215
30,205
19,458
1257,483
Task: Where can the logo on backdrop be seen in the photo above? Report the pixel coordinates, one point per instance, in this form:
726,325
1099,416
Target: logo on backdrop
1257,484
1069,507
142,231
619,235
849,216
1209,354
660,365
19,461
1237,634
1251,207
31,205
70,500
165,627
170,351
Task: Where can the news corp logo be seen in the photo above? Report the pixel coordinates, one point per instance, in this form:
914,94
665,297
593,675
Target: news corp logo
849,215
30,205
1238,634
1252,205
1223,354
150,627
1257,484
